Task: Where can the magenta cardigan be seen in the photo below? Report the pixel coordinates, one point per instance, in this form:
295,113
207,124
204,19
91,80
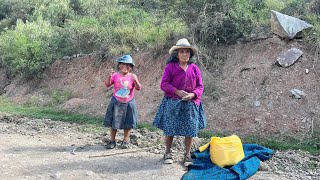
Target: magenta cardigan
174,77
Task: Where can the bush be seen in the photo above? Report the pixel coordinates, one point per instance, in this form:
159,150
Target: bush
29,48
84,35
60,96
132,28
54,11
12,10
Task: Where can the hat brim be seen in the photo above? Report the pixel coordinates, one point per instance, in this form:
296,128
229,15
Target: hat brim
194,49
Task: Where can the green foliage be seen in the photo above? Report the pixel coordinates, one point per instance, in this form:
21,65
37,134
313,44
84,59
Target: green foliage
310,144
207,134
33,101
75,5
85,35
54,11
12,10
29,48
46,112
147,126
130,28
60,96
97,8
116,27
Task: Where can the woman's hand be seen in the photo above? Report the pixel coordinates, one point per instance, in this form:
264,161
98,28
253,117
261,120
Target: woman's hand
181,93
188,97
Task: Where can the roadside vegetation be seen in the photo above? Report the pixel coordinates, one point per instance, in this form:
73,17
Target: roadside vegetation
35,33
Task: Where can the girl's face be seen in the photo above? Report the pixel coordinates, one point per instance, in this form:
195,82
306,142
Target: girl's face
184,54
125,68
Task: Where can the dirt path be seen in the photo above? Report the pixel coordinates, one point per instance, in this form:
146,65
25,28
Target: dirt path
42,149
47,156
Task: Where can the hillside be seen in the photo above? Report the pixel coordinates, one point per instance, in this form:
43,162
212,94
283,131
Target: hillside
253,93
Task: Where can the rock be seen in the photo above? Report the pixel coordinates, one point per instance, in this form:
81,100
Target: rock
264,166
289,57
287,26
298,94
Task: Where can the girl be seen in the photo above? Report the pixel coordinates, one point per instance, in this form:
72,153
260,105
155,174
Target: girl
122,111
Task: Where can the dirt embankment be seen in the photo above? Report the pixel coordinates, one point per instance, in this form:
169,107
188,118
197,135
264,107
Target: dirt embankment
253,93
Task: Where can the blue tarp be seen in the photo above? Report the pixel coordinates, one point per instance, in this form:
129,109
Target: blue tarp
204,169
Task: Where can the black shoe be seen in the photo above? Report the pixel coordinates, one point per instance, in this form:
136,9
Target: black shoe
167,158
111,145
125,145
187,160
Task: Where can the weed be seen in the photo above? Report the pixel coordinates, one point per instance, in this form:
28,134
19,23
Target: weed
60,96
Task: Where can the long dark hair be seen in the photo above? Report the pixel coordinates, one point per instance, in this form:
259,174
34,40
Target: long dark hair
174,57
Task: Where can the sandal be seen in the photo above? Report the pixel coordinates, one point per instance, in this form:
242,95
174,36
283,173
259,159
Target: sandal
167,158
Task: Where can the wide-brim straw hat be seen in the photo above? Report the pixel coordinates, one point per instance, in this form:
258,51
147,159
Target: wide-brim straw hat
183,43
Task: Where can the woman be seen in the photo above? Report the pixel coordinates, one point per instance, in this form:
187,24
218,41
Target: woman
180,112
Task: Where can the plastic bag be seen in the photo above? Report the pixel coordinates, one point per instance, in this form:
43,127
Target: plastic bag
226,151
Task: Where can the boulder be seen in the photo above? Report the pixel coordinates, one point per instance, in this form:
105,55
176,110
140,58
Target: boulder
287,26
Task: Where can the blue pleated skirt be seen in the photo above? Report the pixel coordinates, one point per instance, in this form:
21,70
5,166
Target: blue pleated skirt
121,115
179,118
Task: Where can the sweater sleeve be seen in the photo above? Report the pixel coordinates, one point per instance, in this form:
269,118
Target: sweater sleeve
199,84
165,84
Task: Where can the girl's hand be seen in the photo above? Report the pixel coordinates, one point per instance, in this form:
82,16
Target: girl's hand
110,72
108,82
135,78
181,93
188,97
136,81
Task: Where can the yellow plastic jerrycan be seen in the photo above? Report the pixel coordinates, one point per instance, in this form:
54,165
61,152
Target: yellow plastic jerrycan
226,151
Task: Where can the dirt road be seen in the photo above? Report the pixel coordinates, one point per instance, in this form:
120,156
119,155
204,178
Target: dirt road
43,149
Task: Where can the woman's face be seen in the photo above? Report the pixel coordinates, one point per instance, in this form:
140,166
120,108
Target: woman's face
184,54
125,68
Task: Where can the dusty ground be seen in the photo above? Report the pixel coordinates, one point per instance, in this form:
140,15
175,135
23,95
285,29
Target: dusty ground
43,149
31,150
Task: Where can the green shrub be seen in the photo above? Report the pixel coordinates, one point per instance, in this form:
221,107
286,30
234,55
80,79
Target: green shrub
29,48
33,101
84,35
60,96
97,8
54,11
132,28
12,10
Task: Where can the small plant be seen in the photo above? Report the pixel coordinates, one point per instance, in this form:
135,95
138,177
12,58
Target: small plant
208,134
60,96
33,101
313,165
147,126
